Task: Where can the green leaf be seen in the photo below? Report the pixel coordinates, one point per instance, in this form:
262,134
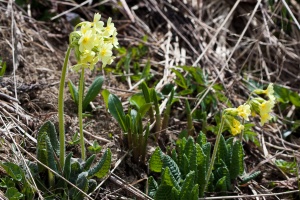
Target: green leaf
163,192
67,167
287,167
201,139
105,94
95,148
13,194
74,92
102,168
88,163
175,194
81,183
237,160
3,68
222,151
168,179
189,147
169,162
93,91
155,162
180,80
137,100
152,187
50,129
13,170
144,109
92,185
250,177
195,193
146,70
221,184
45,151
146,92
187,186
116,109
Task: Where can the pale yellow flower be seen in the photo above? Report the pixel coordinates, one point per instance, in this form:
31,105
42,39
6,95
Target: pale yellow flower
97,24
87,40
265,109
236,127
244,111
93,42
109,29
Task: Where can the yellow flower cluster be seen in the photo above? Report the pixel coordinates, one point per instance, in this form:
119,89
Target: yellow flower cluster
93,42
254,106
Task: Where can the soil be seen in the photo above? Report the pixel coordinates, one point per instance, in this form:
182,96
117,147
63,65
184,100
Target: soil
34,70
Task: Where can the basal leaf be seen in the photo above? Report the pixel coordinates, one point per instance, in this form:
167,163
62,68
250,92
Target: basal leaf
180,80
169,162
187,186
67,167
116,109
13,170
237,160
88,163
13,194
105,94
137,100
163,192
168,179
102,168
155,162
152,187
221,184
92,92
74,92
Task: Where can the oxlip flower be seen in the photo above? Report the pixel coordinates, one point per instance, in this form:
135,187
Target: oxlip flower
244,111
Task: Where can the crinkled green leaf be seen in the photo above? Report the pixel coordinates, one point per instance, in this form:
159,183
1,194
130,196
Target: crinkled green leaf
237,160
187,186
163,192
168,179
155,162
102,168
152,187
169,162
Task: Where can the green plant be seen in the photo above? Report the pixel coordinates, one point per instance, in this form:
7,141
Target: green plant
184,173
131,62
91,94
2,67
135,133
16,182
48,173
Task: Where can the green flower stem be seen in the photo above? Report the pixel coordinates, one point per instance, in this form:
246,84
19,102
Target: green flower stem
80,94
61,121
212,162
242,132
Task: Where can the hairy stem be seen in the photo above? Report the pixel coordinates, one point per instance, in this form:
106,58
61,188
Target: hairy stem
80,94
61,121
213,157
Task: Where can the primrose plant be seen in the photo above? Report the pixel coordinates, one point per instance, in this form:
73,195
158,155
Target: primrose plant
191,170
57,175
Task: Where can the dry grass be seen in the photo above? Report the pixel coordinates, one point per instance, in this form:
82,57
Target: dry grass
234,42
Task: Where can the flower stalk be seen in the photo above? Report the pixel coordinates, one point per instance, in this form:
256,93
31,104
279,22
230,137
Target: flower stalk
61,122
213,157
80,118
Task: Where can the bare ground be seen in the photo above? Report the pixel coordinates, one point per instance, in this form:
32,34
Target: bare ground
178,34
